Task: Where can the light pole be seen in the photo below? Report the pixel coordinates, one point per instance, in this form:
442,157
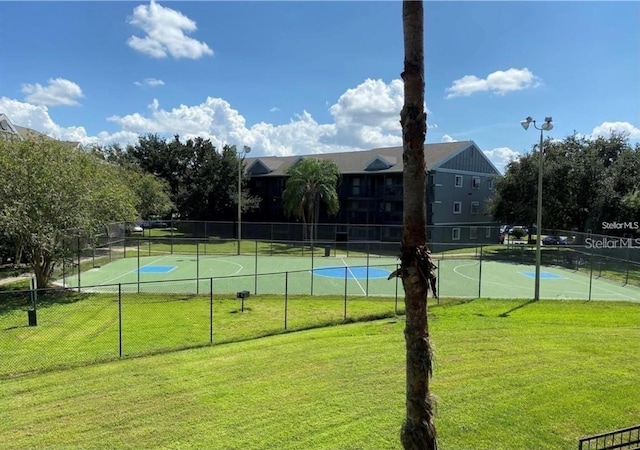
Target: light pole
546,126
240,155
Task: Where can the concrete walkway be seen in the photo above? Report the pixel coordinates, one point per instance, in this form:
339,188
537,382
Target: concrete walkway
9,280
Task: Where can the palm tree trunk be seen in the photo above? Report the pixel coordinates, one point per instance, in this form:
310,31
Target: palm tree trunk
418,430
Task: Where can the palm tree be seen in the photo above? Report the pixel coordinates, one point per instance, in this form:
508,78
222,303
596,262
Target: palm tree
310,183
416,269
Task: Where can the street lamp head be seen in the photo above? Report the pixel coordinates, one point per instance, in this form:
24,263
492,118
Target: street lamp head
246,149
526,122
547,126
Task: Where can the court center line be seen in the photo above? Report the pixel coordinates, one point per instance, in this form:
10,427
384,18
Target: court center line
353,275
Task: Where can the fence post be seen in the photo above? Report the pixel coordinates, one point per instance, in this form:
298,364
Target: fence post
197,268
367,286
479,273
286,297
138,265
590,275
211,310
396,301
345,293
311,265
438,280
120,319
255,271
79,260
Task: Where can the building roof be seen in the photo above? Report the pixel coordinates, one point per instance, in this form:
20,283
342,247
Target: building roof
27,133
377,160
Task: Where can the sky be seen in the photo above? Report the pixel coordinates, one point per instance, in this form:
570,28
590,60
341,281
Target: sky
294,78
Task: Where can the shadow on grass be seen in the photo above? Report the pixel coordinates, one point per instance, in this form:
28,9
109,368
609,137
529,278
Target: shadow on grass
506,313
17,298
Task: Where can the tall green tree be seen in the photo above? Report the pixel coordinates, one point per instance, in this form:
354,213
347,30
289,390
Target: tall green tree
585,182
50,191
416,269
310,184
202,179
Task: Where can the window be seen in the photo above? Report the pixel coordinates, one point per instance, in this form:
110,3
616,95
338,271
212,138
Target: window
355,186
473,233
475,208
457,207
455,234
487,232
475,182
458,181
490,184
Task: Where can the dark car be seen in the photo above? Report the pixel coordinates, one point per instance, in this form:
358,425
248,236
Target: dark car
554,240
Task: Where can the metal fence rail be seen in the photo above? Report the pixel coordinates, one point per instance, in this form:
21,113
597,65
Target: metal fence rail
623,439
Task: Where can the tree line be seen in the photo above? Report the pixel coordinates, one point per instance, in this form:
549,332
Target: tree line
586,182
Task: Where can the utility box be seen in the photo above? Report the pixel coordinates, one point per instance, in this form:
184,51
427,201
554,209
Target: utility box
327,251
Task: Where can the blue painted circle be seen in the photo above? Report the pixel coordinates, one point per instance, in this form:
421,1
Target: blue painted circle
351,272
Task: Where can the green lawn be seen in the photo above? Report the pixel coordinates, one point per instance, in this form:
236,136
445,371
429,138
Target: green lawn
508,375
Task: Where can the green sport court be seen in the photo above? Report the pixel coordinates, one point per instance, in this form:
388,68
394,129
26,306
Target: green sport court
353,276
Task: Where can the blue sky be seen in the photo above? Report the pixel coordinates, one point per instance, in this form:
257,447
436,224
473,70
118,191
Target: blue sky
309,77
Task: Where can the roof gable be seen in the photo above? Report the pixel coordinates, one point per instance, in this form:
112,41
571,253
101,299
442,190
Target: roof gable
470,159
258,168
6,126
381,163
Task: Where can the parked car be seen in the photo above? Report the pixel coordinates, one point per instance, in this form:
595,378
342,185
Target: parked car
154,224
554,240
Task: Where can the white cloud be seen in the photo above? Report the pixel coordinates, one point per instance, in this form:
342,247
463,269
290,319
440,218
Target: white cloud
447,138
499,82
605,129
365,117
58,92
165,33
274,109
149,82
369,114
501,156
37,118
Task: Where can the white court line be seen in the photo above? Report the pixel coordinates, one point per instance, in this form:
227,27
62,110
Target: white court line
575,280
353,275
240,266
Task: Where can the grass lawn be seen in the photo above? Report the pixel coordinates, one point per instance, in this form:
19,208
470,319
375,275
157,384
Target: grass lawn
508,375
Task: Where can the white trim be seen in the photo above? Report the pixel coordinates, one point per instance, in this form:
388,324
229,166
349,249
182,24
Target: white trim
453,230
459,209
455,181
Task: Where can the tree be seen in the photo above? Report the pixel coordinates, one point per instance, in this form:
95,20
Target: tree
152,197
311,182
416,269
49,191
585,182
202,180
